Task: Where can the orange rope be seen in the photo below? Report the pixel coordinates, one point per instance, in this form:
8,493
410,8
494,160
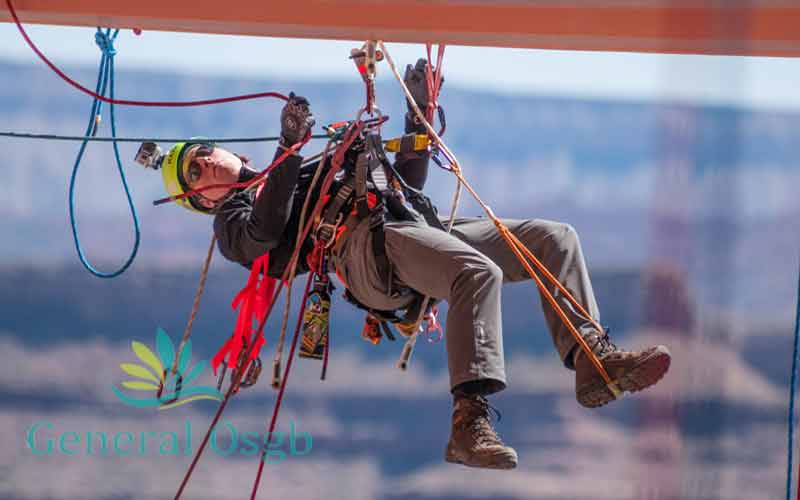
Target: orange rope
518,249
541,267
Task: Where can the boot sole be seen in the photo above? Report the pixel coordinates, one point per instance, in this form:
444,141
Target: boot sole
649,371
507,462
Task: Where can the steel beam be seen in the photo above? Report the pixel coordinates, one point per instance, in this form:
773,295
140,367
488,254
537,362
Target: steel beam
736,27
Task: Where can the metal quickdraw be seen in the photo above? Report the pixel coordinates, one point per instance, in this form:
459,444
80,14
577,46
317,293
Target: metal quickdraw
366,59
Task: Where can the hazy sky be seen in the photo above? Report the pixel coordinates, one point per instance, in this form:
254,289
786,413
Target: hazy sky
772,83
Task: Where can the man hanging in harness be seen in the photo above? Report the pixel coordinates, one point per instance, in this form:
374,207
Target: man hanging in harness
390,255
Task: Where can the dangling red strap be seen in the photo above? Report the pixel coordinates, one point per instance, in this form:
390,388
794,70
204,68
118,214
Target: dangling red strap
252,301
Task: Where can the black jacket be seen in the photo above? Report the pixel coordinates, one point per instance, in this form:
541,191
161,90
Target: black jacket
247,227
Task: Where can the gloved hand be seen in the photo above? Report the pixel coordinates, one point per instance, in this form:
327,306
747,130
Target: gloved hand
416,81
296,120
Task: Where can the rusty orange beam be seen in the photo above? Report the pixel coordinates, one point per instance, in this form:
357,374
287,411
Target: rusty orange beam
735,27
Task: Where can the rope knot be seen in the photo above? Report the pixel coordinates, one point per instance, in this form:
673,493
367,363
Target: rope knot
105,42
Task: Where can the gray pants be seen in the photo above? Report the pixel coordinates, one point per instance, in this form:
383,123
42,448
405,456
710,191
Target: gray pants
468,268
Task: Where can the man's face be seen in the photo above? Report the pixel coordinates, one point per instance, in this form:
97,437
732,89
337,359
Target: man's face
209,165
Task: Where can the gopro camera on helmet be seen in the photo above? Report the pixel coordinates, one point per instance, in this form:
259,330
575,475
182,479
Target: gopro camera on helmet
149,155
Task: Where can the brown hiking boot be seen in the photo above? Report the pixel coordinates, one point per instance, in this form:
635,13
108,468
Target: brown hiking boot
473,441
631,370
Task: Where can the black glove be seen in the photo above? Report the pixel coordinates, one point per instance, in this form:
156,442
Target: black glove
296,120
416,81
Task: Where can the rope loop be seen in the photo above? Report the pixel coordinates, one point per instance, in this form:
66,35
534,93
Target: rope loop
105,41
105,85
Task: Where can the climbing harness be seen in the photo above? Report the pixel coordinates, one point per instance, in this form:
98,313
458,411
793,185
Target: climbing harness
368,191
105,82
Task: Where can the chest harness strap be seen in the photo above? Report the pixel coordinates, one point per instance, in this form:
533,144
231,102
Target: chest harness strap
370,190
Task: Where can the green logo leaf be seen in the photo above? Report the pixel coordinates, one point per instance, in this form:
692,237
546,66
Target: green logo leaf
145,354
139,371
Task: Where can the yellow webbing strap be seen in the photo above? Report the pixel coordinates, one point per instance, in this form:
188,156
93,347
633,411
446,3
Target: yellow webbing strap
421,142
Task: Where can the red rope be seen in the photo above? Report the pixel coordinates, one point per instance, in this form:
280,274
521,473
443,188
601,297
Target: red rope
434,81
284,379
126,102
235,383
433,78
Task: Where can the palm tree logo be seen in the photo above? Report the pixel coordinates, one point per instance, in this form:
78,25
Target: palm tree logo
169,389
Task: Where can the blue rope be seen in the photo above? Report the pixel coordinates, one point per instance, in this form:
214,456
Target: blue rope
105,81
793,389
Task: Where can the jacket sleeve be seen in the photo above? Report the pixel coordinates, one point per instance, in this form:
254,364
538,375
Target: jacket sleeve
413,166
246,229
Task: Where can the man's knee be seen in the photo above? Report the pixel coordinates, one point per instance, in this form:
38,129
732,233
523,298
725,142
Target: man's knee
570,236
563,236
477,272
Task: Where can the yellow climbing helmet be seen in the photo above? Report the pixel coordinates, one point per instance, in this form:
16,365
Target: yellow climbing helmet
172,174
171,166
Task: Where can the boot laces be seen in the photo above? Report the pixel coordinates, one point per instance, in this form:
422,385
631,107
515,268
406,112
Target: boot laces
601,345
480,425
